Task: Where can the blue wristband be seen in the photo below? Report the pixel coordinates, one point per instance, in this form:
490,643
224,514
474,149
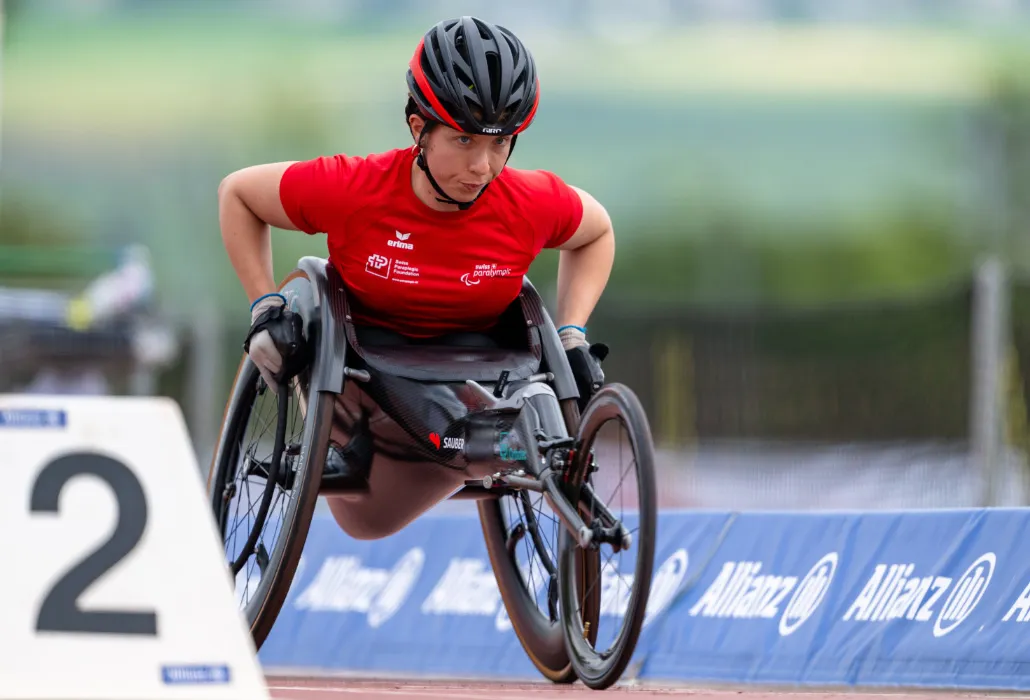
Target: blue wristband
265,296
581,329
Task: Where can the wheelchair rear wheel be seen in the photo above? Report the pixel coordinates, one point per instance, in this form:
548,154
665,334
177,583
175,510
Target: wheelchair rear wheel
263,486
613,430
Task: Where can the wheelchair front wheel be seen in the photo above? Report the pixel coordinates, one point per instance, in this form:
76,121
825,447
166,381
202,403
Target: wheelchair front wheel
599,656
267,507
521,536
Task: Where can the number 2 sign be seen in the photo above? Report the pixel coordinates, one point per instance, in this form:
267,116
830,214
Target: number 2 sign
117,585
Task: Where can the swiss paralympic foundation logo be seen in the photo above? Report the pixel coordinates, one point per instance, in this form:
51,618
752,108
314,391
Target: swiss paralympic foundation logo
509,453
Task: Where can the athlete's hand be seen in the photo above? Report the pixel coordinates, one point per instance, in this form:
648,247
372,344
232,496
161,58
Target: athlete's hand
275,342
585,360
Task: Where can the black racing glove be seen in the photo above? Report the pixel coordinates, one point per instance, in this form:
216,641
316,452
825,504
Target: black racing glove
585,360
276,342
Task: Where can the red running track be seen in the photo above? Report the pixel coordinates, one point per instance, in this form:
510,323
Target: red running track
298,688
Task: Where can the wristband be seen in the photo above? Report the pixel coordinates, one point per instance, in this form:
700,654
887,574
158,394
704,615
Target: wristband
265,296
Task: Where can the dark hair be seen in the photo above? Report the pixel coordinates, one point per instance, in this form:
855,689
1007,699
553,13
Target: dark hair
412,108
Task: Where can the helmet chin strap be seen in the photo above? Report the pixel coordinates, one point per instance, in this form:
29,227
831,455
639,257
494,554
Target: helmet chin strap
444,197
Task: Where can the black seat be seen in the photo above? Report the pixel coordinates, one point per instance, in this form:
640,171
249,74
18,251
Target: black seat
519,350
450,364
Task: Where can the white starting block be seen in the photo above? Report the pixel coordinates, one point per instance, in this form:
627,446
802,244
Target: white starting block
114,582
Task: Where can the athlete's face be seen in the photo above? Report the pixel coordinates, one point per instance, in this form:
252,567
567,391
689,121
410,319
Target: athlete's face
462,163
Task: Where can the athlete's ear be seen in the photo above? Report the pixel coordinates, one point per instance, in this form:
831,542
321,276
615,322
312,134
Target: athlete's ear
416,124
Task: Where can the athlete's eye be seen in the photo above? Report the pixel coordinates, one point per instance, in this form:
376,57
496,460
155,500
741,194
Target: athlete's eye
501,140
465,139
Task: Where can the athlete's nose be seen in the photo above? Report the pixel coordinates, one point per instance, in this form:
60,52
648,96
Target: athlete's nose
480,164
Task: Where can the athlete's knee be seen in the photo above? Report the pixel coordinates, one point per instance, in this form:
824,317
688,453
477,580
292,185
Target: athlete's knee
360,519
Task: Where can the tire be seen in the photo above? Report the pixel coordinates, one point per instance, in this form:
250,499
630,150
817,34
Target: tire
541,636
599,670
277,571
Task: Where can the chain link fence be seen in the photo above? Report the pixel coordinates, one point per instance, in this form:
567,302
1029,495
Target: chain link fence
863,405
866,405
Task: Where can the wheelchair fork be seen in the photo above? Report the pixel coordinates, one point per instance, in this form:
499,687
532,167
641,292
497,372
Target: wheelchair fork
603,528
550,481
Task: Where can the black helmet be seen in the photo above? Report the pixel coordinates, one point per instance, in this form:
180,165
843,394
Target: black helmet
474,76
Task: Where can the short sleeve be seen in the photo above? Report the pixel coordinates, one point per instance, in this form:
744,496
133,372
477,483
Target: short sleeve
560,211
314,193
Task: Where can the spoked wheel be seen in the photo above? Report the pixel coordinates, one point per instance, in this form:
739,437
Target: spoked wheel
612,476
263,486
521,534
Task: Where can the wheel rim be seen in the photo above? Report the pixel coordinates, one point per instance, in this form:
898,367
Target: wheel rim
241,478
600,654
524,580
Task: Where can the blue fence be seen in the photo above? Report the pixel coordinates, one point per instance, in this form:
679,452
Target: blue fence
919,599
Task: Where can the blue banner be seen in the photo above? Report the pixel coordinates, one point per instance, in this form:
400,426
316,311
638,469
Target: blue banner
930,599
918,599
425,602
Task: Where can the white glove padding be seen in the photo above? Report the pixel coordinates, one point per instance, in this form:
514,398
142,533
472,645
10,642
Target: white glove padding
571,337
584,361
263,352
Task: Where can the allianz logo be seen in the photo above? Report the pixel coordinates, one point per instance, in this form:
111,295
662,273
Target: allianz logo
344,584
741,590
897,591
468,587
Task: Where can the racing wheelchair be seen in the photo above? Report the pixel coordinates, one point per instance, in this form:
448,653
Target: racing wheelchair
514,440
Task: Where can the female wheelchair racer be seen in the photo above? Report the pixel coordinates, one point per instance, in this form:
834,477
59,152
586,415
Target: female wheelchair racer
425,368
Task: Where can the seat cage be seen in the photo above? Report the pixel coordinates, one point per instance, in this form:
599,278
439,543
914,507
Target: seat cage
531,342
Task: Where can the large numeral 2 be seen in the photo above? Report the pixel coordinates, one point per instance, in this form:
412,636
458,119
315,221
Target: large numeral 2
60,611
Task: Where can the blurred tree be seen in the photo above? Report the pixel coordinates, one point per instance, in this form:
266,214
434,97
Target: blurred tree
40,247
1008,115
13,11
26,220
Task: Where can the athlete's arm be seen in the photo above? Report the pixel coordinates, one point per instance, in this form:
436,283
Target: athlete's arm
585,263
248,203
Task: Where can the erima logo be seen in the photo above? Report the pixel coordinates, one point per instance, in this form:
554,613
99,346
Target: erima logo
400,241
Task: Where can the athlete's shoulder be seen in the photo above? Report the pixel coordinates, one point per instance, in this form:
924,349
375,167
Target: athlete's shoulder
530,181
360,176
386,161
553,208
533,188
321,192
372,165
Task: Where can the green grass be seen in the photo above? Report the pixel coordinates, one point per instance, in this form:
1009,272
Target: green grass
148,77
791,135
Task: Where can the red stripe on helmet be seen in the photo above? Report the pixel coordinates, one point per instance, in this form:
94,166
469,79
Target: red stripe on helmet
416,71
529,117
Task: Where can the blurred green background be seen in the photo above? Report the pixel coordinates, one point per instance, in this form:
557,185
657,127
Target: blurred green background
812,183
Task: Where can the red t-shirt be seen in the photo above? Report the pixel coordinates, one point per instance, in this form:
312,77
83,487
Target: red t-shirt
419,271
